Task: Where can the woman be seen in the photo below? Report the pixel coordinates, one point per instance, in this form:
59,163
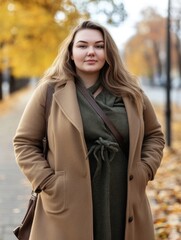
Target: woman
90,188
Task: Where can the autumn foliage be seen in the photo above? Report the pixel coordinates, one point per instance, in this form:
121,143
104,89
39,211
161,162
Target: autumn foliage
145,52
31,32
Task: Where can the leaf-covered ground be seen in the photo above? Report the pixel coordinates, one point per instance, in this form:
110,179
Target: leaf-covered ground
165,191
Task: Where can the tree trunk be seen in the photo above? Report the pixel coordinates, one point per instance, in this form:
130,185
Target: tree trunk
1,89
12,84
150,67
158,61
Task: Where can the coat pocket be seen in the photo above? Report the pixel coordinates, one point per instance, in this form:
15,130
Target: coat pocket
54,195
140,180
143,174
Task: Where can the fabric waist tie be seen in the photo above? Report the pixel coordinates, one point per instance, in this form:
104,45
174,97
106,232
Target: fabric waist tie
104,152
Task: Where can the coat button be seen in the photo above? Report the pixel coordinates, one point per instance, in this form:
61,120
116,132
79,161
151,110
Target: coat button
131,177
130,219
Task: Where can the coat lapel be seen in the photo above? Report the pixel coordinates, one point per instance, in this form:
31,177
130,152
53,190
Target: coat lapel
66,99
134,127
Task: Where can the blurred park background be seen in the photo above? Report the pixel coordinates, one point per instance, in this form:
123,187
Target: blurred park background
30,34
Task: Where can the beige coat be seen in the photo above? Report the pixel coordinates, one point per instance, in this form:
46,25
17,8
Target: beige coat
64,207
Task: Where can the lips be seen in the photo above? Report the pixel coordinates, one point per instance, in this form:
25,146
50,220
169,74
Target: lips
91,61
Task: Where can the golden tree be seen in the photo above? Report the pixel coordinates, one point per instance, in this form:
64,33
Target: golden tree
31,32
144,51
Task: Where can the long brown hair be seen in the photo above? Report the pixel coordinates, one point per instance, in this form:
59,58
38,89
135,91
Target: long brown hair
115,76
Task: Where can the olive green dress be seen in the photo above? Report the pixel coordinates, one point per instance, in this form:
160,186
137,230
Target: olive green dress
108,164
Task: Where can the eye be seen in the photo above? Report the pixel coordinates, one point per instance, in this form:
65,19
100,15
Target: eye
100,46
82,46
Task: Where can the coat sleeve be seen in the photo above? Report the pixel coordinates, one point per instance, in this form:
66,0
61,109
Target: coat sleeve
28,140
153,142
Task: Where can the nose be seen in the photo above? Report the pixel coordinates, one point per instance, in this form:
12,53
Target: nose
90,51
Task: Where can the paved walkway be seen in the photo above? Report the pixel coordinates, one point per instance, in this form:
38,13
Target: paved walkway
14,188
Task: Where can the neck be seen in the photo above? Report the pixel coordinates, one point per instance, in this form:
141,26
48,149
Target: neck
89,80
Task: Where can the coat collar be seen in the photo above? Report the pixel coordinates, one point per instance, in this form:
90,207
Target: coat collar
66,99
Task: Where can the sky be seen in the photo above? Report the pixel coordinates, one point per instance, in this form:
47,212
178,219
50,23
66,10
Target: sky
134,7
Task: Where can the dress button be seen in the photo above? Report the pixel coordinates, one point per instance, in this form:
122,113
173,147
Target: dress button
130,219
131,177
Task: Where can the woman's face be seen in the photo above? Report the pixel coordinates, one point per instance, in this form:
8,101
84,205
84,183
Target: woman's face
88,52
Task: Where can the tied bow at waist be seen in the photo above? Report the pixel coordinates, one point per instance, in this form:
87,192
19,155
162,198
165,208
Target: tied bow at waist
104,152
